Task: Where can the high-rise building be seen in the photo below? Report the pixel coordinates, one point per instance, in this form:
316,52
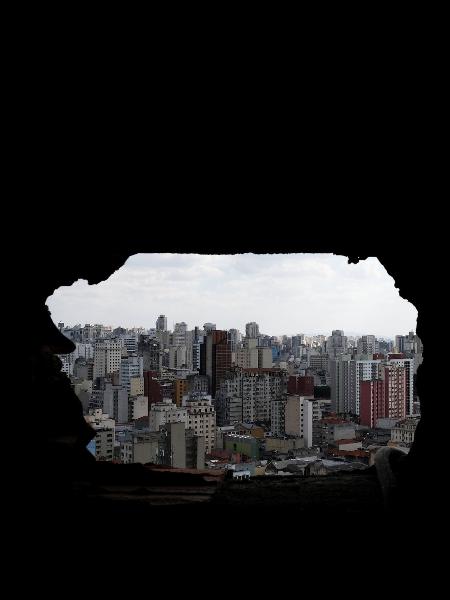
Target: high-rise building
252,330
247,394
179,334
372,403
301,385
215,358
102,446
165,412
107,357
337,343
130,366
300,414
201,418
234,337
115,402
150,350
277,416
408,364
340,384
368,344
394,378
161,323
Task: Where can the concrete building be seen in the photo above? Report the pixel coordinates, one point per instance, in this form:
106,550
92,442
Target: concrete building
318,362
107,357
140,447
403,433
81,385
228,404
300,385
137,407
336,344
250,391
178,357
408,364
161,323
181,388
67,363
372,402
215,358
235,338
340,384
360,370
197,384
300,414
85,351
278,416
102,446
201,418
130,367
150,350
243,444
136,386
165,412
246,358
181,448
394,380
368,344
114,400
330,429
264,358
252,330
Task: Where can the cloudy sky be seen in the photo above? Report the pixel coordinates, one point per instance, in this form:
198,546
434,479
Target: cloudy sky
284,293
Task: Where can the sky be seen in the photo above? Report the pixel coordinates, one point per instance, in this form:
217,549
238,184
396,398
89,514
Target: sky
285,294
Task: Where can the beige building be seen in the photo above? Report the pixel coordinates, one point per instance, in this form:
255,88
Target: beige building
300,413
201,418
136,386
107,356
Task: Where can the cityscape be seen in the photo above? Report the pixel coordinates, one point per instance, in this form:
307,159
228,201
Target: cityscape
249,403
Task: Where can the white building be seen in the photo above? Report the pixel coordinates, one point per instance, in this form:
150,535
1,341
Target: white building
165,412
301,412
84,351
67,363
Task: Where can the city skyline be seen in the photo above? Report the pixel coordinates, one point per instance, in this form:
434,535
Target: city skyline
285,293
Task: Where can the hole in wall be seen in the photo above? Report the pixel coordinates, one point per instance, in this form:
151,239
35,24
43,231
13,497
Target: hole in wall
303,297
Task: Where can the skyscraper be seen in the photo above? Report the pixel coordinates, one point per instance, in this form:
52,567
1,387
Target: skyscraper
161,323
252,330
215,358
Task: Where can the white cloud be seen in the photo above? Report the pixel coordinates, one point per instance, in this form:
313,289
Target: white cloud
284,293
